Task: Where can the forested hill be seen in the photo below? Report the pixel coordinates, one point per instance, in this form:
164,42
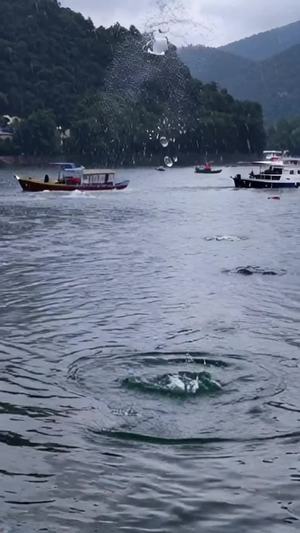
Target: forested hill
57,69
266,44
49,56
274,82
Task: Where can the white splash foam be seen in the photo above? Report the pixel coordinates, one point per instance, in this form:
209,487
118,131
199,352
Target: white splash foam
231,238
176,383
157,46
190,386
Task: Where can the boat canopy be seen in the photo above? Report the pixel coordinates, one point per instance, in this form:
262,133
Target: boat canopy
89,171
275,152
63,165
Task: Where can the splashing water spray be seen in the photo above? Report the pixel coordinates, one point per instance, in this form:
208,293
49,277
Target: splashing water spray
157,45
133,66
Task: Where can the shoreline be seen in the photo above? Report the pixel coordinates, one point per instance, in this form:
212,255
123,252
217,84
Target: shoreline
183,160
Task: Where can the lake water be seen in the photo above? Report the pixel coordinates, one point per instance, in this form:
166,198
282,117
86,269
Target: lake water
149,357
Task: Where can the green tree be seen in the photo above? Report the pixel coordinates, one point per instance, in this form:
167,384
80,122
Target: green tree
37,135
285,135
3,103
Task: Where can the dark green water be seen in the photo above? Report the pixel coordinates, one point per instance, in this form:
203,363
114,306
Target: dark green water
149,358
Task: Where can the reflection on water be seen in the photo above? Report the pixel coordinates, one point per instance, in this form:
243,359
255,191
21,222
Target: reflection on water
149,357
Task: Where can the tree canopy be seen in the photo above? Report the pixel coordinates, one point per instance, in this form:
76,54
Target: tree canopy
59,71
285,136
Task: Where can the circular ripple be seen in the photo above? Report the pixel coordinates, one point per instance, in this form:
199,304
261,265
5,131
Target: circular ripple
224,396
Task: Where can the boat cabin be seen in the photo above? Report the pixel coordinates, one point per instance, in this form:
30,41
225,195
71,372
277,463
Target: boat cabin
70,174
275,171
94,177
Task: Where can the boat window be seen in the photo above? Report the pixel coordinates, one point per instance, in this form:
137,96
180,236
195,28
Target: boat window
291,172
94,178
275,178
298,171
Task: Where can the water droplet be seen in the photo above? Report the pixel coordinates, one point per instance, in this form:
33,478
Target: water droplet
163,28
168,161
164,142
158,45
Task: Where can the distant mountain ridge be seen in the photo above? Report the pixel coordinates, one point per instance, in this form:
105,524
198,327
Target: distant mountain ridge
273,82
266,44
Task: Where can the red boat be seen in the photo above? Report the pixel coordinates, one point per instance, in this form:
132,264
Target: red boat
207,169
72,178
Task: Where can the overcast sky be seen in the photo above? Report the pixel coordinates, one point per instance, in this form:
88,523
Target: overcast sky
210,22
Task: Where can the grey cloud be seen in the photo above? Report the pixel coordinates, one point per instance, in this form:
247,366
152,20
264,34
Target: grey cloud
211,22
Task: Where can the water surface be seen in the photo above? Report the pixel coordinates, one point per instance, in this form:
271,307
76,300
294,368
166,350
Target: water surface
149,357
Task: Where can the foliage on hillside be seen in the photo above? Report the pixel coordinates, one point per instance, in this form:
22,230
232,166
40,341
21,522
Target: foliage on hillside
57,69
49,56
285,136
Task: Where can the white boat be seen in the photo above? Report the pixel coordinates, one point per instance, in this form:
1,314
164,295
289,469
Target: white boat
282,173
276,156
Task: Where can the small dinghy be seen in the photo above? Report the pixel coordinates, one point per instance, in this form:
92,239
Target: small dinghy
207,169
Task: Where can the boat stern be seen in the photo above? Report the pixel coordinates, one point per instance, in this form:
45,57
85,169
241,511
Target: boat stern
237,180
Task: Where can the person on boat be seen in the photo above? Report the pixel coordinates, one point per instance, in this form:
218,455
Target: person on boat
207,167
46,178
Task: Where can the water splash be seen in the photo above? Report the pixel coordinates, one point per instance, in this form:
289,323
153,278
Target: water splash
249,270
168,161
158,45
164,142
231,238
173,17
180,383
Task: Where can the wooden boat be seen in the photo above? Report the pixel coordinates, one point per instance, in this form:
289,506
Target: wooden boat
73,178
